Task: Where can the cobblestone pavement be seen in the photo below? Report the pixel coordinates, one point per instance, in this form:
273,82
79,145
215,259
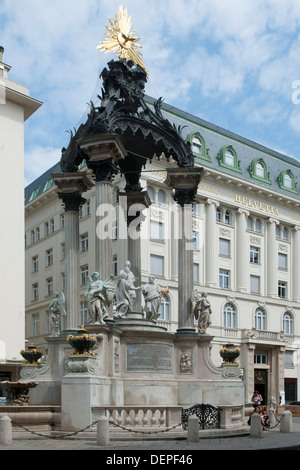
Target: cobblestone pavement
271,440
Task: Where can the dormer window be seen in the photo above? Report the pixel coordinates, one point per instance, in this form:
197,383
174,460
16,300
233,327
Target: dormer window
286,180
198,146
258,170
227,158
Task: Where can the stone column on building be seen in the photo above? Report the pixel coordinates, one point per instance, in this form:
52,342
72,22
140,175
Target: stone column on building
185,182
133,203
272,259
242,251
295,265
71,186
103,152
211,247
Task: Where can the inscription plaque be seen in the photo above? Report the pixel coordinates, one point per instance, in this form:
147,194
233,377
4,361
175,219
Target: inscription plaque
149,358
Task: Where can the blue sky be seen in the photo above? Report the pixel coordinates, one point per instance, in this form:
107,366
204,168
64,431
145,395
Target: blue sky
235,63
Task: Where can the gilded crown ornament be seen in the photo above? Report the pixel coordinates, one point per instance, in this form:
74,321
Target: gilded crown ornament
120,39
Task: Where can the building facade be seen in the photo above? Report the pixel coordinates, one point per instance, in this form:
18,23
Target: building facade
245,242
16,106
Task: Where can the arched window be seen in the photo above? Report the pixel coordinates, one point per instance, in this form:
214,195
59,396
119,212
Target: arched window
258,170
229,315
286,180
218,215
227,158
249,223
260,319
164,308
288,323
161,198
198,146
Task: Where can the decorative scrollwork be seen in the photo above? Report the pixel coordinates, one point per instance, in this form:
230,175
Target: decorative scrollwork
209,416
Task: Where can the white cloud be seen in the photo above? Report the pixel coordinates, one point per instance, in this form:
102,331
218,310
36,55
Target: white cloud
37,160
201,54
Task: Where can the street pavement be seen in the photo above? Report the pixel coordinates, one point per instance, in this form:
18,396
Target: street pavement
159,450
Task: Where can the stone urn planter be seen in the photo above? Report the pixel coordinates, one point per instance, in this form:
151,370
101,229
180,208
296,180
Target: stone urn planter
229,353
32,355
82,343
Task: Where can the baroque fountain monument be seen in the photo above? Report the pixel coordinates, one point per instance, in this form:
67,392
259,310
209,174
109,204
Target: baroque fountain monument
123,364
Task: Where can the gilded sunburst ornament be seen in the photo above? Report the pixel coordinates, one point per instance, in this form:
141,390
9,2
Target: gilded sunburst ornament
120,39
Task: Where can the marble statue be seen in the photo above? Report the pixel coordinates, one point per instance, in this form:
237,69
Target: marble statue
124,294
201,310
57,309
131,280
152,294
100,295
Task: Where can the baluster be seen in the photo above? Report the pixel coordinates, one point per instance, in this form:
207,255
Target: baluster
145,418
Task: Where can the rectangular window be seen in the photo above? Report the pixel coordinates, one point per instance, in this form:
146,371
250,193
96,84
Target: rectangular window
254,255
46,229
282,289
49,285
35,264
62,252
88,207
84,270
84,242
156,231
254,284
224,278
51,225
62,220
196,272
35,291
157,265
195,241
115,229
260,357
84,313
224,247
35,324
49,257
282,261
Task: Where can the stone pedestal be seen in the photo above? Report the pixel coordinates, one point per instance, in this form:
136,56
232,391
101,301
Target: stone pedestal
138,373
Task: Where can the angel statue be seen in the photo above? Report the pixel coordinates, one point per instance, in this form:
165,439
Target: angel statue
201,310
57,308
100,295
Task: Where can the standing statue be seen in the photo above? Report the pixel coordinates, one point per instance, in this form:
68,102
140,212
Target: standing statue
57,308
153,294
124,295
100,295
201,310
131,280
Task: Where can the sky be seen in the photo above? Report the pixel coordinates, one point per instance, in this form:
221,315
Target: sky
234,63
